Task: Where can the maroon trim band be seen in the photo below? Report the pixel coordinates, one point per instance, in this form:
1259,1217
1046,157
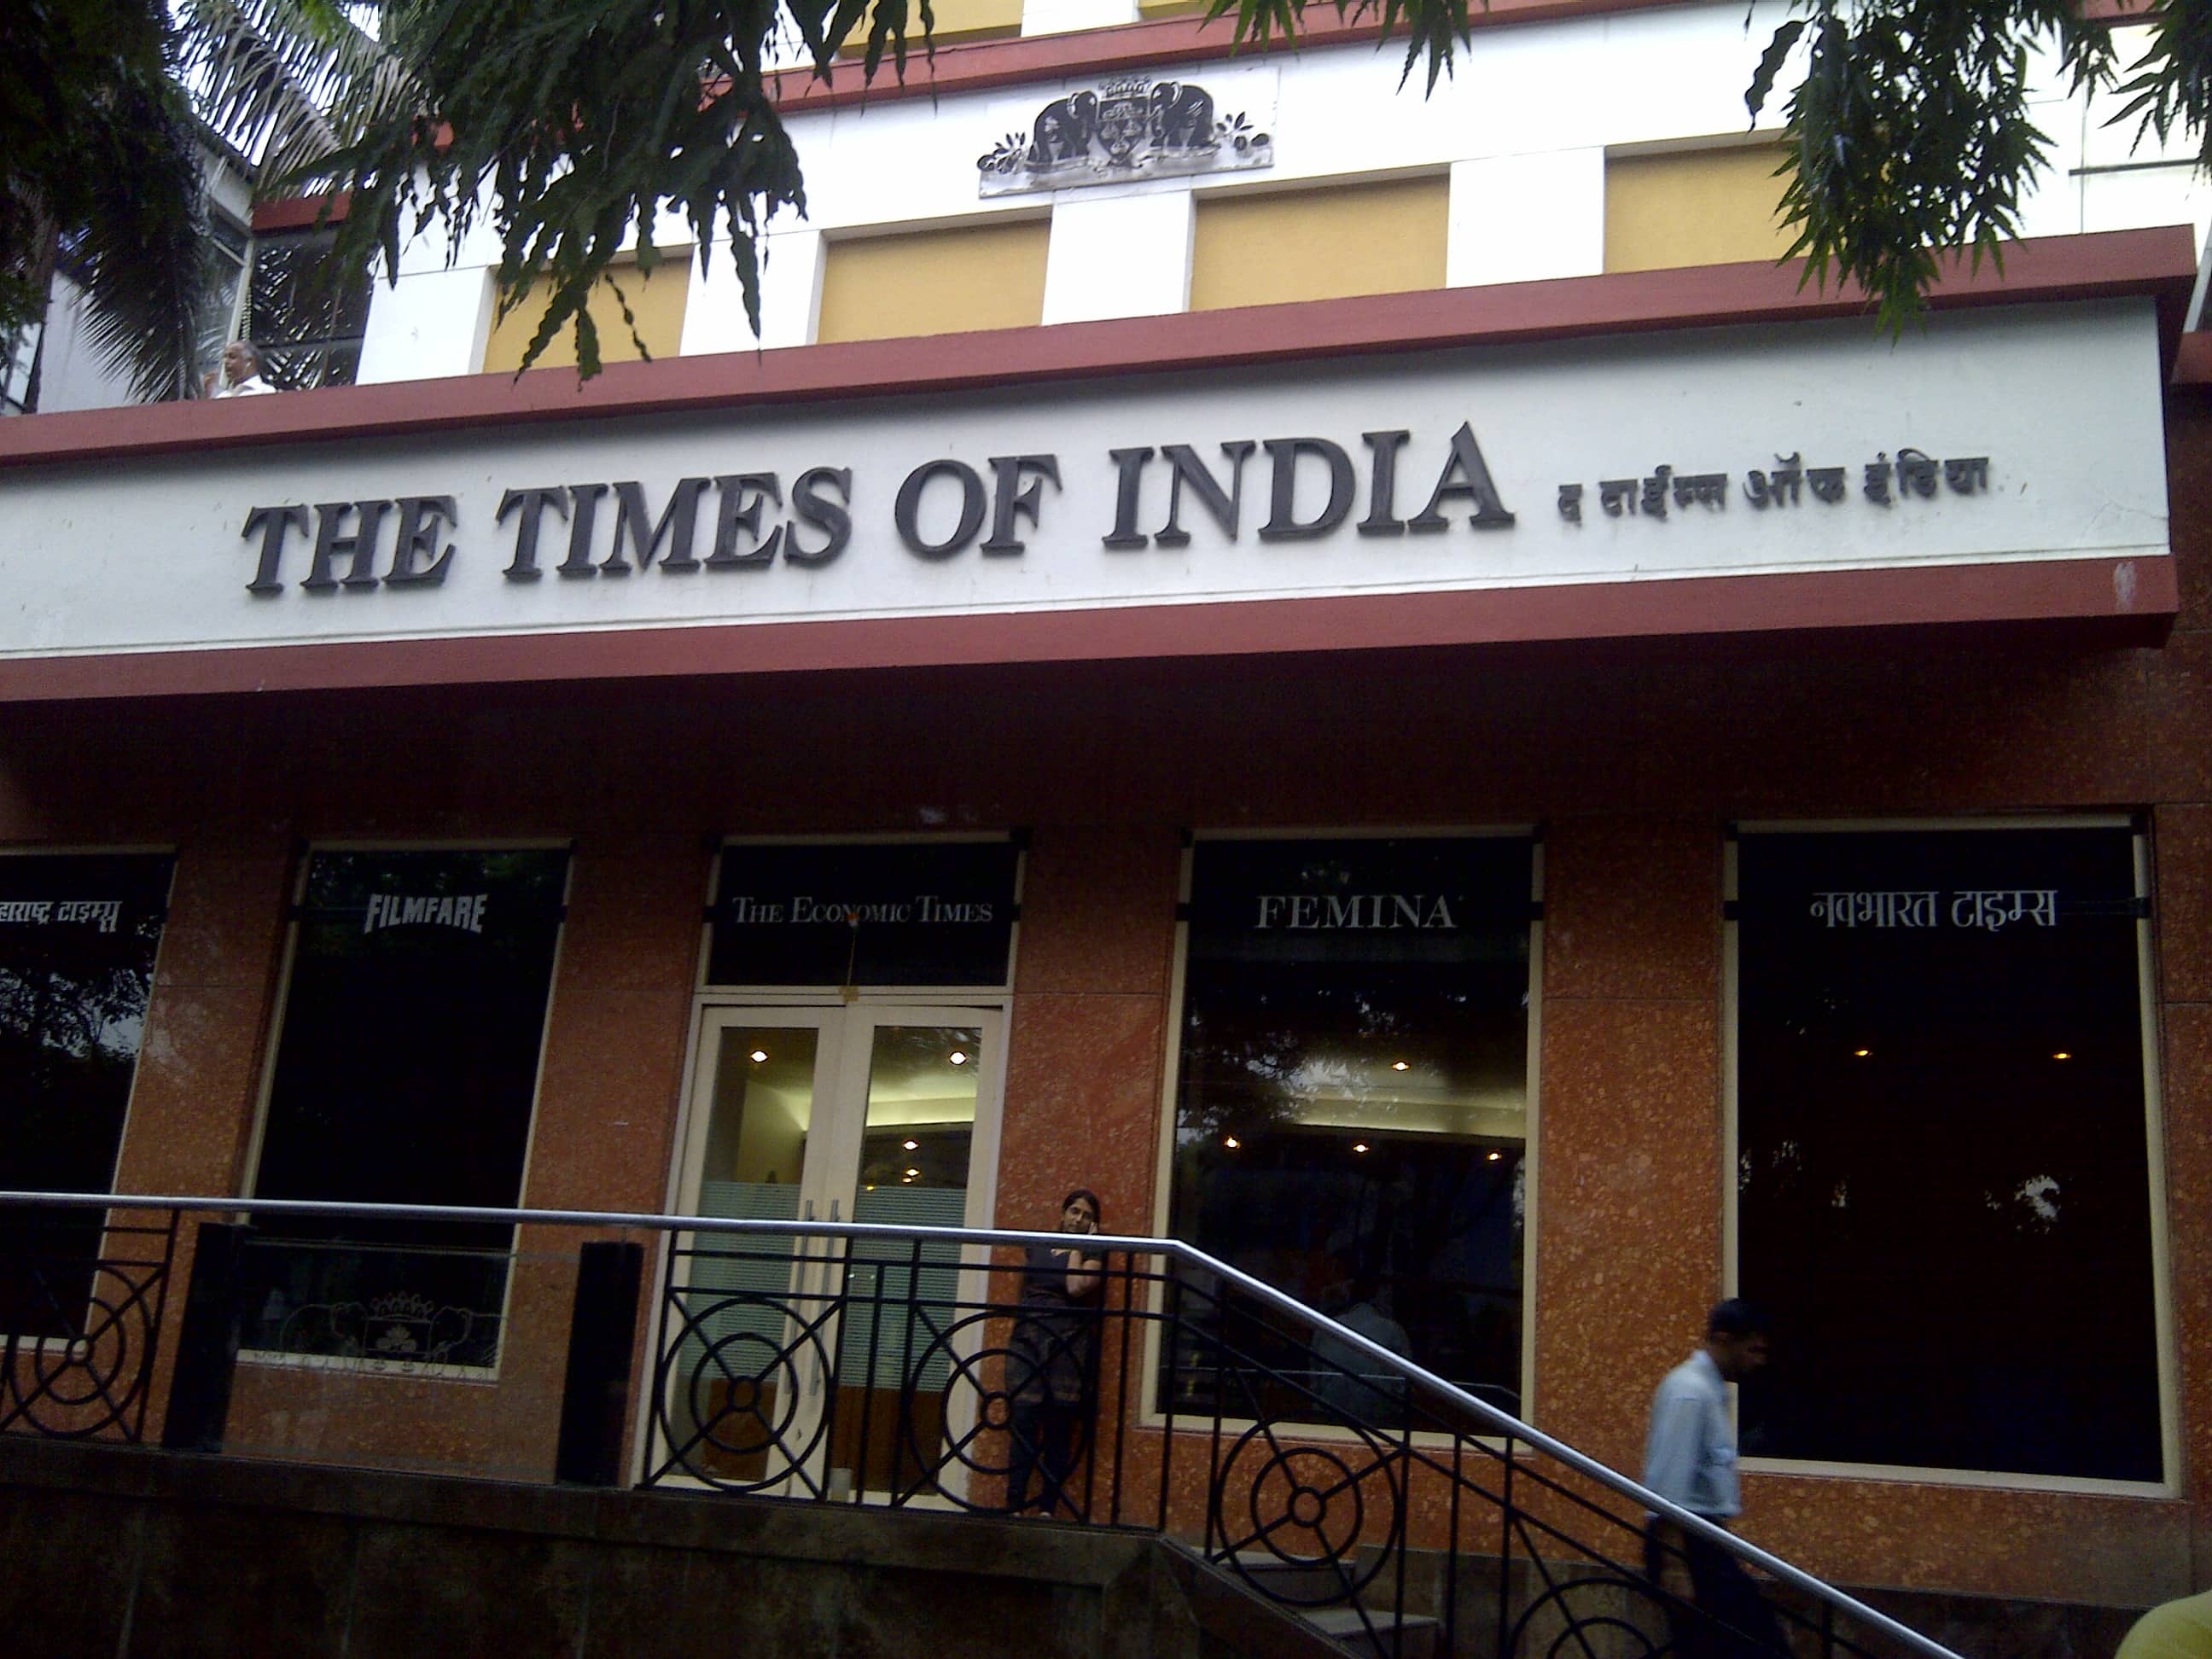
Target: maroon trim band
2119,601
2160,263
976,65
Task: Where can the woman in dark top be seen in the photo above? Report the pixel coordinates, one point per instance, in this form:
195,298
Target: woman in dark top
1051,1360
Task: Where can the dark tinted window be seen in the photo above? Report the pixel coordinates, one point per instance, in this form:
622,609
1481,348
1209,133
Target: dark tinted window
1352,1110
405,1074
304,311
1943,1181
78,933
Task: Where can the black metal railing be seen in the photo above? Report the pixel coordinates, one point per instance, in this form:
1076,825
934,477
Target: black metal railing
82,1291
948,1369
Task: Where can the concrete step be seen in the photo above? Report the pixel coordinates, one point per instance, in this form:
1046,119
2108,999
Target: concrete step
1297,1582
1319,1591
1378,1635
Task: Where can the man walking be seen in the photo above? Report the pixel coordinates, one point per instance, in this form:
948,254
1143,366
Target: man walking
1690,1459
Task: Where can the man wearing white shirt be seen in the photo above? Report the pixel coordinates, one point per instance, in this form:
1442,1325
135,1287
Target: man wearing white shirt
1690,1459
241,374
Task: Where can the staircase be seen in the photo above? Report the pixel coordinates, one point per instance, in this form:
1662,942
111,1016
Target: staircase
1320,1594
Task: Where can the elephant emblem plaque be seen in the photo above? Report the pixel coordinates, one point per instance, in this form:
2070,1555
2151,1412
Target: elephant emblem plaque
1127,128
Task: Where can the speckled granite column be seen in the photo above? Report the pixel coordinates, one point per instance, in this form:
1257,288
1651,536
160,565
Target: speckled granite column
1628,1203
1089,1024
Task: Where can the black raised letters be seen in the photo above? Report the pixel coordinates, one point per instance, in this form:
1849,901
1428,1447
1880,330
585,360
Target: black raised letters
420,520
1464,475
1383,484
907,508
675,524
1128,487
1224,504
1283,523
357,546
273,522
810,506
741,496
1019,483
583,512
532,505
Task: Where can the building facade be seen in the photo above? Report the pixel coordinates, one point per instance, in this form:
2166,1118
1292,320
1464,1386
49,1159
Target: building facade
1362,674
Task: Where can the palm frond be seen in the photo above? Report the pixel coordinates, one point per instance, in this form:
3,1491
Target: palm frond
280,81
133,236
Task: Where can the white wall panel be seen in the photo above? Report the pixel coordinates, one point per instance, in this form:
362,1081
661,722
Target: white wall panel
431,325
1115,254
1522,218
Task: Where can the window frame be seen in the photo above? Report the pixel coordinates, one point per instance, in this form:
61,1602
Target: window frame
272,1041
2167,1362
1148,1414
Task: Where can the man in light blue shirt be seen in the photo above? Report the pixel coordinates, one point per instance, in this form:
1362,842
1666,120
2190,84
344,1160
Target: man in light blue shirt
1690,1459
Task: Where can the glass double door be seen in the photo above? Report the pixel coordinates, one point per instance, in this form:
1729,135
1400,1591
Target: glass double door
806,1365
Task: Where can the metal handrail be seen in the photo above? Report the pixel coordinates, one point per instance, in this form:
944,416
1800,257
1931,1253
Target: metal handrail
1501,1422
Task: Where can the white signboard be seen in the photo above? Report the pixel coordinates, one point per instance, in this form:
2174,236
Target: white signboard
2019,435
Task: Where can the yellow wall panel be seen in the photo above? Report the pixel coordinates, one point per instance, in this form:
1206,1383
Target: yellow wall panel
1707,207
933,282
657,302
953,20
1319,244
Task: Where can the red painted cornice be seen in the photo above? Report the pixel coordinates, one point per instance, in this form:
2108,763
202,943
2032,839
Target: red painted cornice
978,65
2096,601
2160,264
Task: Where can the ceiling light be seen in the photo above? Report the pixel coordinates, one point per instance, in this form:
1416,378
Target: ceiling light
911,1145
1494,1157
2062,1055
1358,1145
759,1055
958,1056
1231,1142
1861,1053
910,1174
1399,1066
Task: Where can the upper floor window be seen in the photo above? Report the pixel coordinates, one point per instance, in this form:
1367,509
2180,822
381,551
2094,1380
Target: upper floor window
305,313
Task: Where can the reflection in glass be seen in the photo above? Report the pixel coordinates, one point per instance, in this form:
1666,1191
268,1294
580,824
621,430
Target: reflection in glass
914,1173
1352,1112
78,937
758,1128
1950,1223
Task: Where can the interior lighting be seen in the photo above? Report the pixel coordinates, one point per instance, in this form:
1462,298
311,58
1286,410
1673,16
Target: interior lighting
2062,1055
1494,1157
958,1056
1861,1053
1358,1145
1399,1066
1231,1142
759,1055
911,1145
911,1173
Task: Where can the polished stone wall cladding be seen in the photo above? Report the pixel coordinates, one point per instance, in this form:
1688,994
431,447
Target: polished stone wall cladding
1632,756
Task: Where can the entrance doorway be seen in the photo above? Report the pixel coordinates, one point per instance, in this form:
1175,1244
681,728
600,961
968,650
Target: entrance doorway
802,1367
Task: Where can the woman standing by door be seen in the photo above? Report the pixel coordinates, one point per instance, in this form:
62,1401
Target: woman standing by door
1052,1360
